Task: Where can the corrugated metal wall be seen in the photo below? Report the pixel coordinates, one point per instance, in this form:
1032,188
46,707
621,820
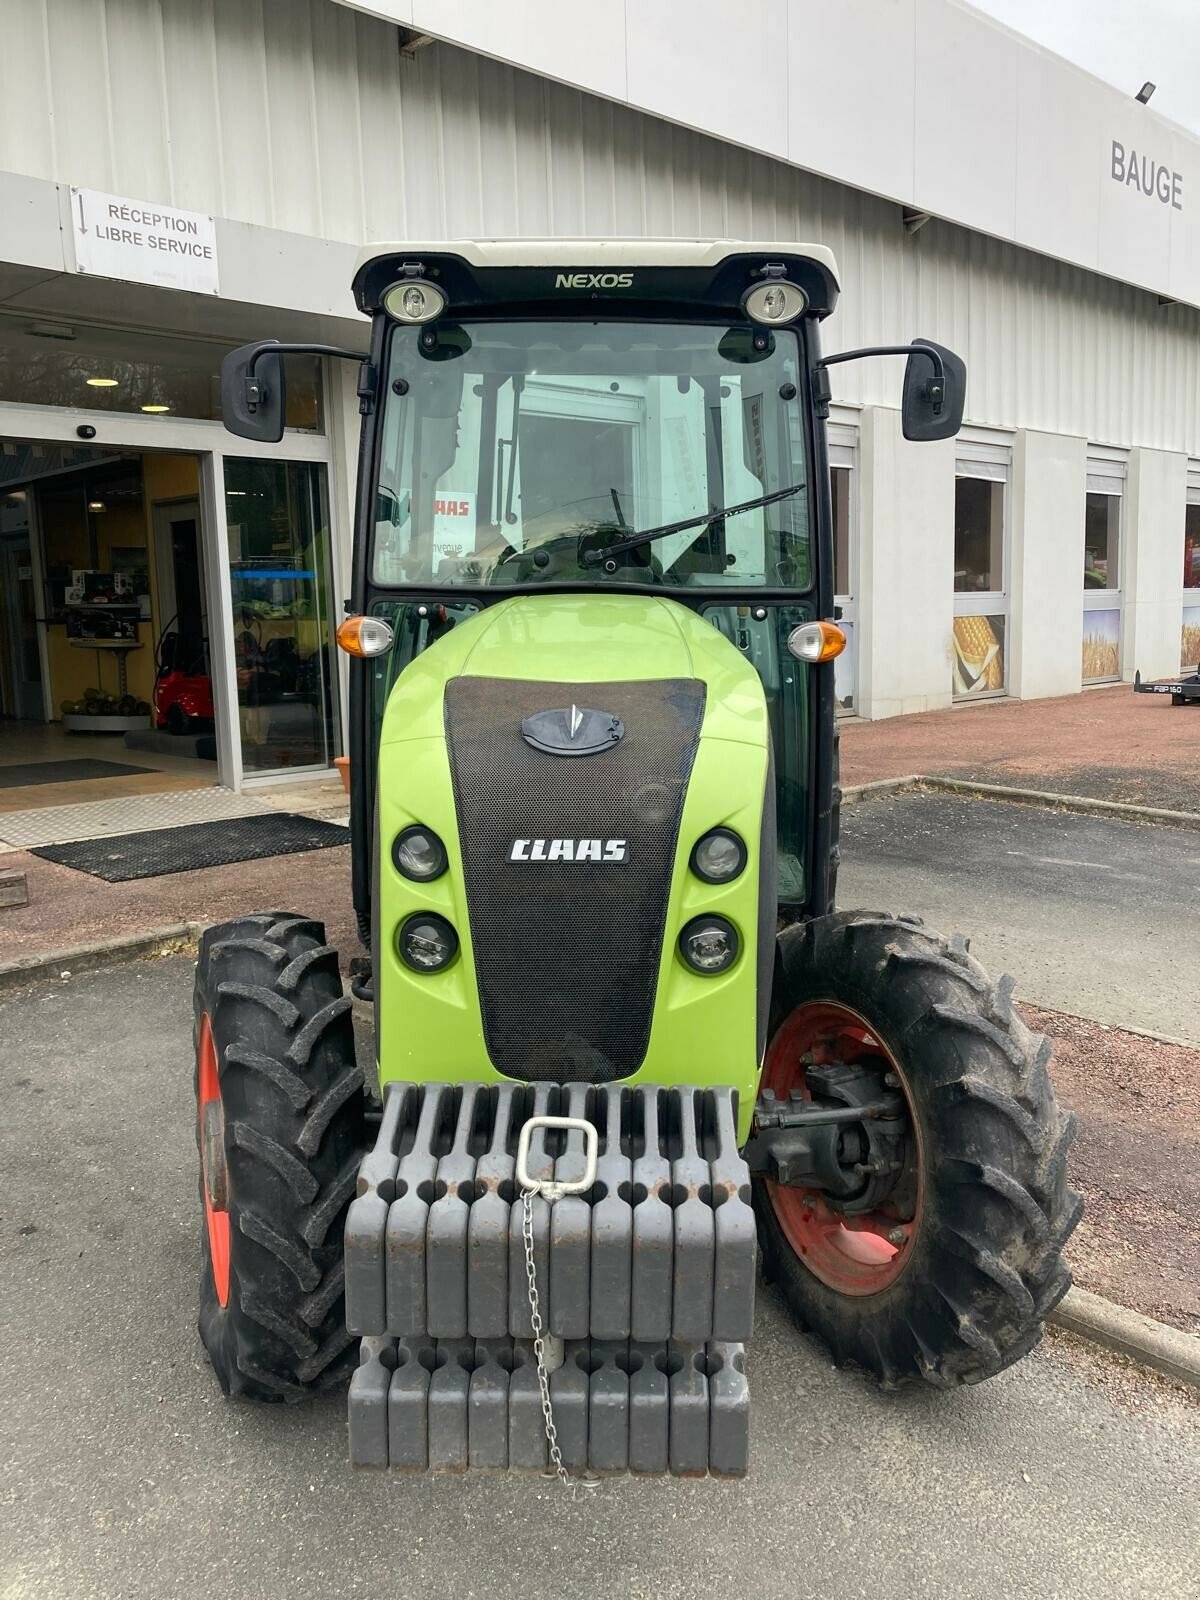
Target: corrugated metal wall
304,115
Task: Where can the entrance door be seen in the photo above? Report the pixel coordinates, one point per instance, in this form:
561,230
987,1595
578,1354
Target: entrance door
281,600
21,678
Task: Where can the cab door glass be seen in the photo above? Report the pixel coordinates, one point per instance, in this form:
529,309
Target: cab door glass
760,633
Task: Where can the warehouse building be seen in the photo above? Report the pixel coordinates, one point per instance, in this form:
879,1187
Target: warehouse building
181,177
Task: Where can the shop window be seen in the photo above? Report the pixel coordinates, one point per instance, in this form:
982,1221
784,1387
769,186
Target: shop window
978,536
279,566
1101,542
1191,548
101,369
839,482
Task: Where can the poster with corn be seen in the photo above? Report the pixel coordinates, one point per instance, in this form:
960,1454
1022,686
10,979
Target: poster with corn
978,655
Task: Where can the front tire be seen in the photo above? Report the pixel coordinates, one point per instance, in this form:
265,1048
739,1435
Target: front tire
951,1278
280,1131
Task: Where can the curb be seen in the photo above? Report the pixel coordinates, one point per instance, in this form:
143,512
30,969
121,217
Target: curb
855,792
179,936
1130,1333
931,782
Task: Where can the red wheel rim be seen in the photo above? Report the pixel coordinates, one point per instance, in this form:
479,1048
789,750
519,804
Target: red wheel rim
853,1255
216,1220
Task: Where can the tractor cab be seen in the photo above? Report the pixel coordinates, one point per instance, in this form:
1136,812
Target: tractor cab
637,415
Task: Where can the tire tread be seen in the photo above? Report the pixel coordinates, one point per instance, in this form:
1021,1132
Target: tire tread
294,1136
988,1266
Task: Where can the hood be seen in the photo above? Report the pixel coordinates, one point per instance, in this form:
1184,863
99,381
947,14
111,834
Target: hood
586,638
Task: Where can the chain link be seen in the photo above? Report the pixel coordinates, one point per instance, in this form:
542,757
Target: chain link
539,1350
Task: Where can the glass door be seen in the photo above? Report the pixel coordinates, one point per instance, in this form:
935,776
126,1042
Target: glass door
281,601
1189,643
981,611
1102,578
20,661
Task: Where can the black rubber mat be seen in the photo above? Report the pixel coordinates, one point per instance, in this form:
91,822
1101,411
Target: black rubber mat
161,851
25,773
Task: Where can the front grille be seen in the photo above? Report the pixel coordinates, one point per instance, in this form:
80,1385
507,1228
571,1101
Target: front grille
567,952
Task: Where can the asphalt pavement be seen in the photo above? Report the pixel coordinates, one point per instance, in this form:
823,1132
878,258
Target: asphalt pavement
1091,916
123,1472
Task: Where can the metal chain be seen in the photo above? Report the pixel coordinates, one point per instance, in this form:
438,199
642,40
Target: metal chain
539,1349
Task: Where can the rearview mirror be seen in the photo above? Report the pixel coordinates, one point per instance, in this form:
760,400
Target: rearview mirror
932,406
253,396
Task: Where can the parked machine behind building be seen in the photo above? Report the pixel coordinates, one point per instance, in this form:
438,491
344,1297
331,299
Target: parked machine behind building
623,1037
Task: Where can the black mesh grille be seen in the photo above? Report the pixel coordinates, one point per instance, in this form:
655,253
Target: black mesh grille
567,953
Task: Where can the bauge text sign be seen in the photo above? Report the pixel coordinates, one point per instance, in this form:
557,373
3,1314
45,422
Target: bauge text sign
116,237
1147,176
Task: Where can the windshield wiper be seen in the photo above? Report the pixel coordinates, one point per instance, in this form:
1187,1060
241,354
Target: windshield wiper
593,558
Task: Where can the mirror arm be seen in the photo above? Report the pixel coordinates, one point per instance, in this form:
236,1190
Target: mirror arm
935,388
256,392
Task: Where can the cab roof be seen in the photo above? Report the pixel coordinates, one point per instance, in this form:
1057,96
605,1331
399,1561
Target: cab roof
479,272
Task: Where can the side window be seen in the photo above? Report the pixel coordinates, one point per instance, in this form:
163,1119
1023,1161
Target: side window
763,641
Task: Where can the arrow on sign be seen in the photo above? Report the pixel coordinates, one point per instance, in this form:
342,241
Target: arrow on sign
82,223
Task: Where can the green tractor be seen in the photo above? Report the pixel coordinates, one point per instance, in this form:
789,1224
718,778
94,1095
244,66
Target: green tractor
624,1042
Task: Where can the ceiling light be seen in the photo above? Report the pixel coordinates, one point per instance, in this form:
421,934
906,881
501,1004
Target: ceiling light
50,330
102,383
157,410
97,505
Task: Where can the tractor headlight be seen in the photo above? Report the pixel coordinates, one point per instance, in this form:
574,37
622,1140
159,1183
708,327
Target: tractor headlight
719,856
709,945
413,300
426,942
774,302
419,854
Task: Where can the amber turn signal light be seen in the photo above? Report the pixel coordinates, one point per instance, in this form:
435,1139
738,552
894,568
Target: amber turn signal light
816,641
365,636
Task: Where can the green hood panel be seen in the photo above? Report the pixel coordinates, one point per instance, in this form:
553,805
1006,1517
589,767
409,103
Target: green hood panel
583,638
705,1030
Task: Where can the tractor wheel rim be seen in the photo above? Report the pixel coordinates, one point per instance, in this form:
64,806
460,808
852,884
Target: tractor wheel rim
214,1178
858,1255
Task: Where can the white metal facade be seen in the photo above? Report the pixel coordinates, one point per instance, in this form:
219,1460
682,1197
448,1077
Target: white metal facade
308,128
305,116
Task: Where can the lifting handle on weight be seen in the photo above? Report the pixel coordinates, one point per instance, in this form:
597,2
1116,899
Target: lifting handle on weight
547,1187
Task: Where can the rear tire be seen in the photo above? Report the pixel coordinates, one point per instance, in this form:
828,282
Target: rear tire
280,1149
980,1266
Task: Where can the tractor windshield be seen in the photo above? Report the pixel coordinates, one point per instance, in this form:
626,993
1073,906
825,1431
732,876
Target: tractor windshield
511,452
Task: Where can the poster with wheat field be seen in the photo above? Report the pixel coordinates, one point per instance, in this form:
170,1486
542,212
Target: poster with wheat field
1189,652
1101,645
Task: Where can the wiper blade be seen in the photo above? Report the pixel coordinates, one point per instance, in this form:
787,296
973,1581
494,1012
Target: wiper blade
593,558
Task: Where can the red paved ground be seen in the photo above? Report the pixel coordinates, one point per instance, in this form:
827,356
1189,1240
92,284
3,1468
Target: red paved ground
69,908
1137,1161
1109,744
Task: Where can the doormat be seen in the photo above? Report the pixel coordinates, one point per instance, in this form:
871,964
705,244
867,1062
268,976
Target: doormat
162,851
25,773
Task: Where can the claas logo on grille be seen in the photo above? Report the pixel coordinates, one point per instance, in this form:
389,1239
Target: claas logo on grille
569,850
